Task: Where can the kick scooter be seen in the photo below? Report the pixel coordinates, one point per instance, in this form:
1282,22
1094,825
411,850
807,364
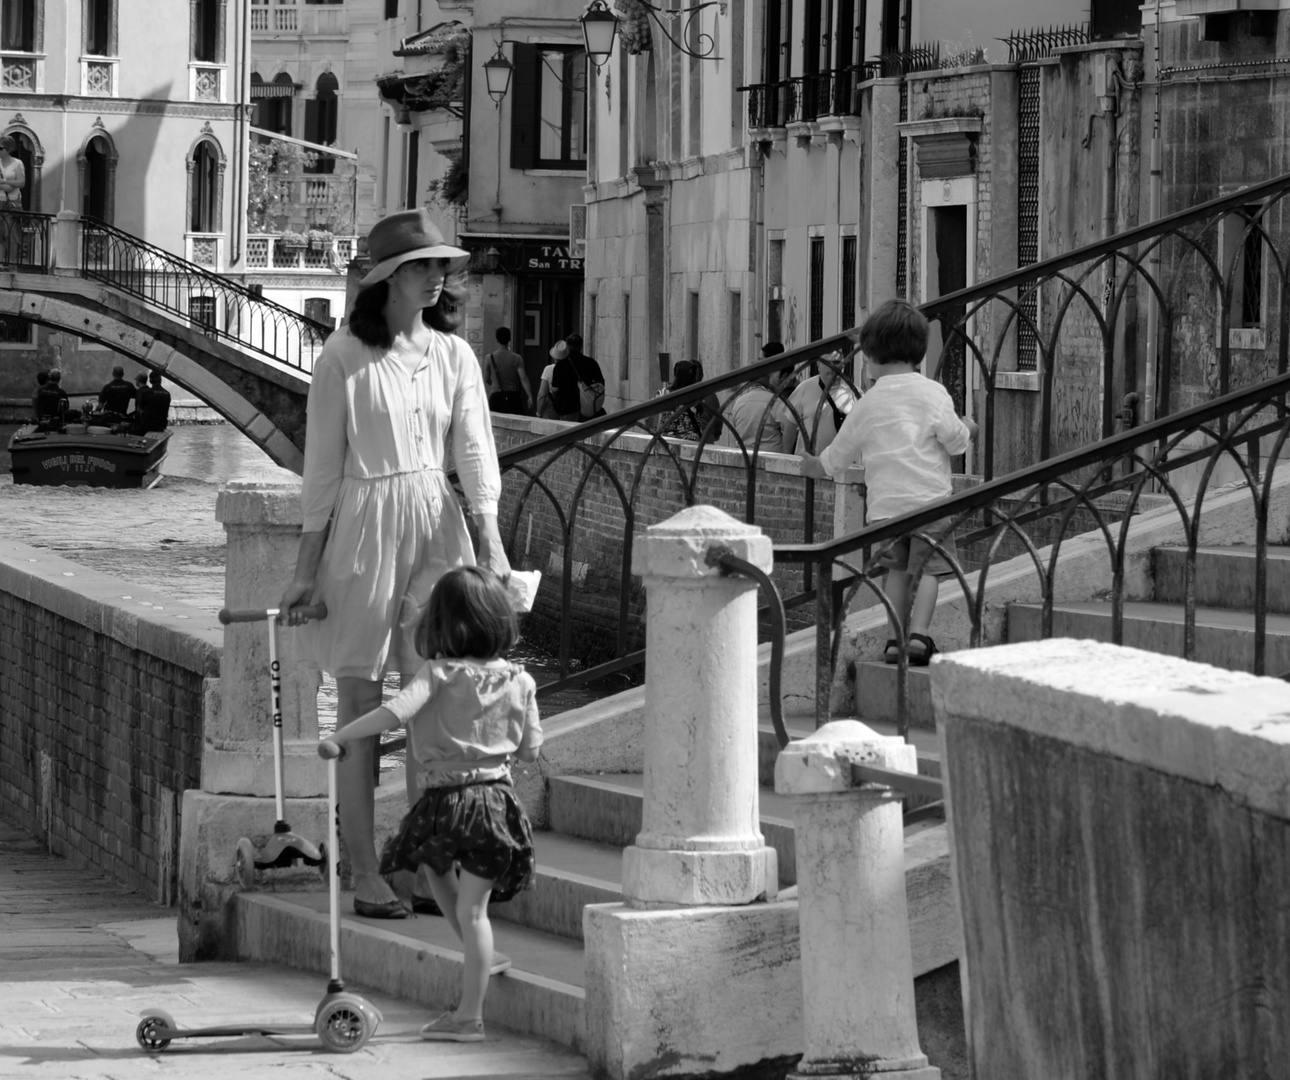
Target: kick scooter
284,848
343,1021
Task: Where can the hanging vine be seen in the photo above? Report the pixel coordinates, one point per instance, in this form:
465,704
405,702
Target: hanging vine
633,28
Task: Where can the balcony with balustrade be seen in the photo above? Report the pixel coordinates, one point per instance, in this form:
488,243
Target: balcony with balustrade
287,17
293,253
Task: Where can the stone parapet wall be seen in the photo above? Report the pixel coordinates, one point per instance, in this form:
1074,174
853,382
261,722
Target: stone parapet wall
103,685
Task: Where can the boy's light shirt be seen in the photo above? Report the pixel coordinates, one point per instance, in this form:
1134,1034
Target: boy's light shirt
903,431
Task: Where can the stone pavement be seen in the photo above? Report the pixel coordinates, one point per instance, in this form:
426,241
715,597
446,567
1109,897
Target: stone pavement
81,958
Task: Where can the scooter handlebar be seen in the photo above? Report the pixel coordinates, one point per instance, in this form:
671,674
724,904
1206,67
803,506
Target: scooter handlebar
309,611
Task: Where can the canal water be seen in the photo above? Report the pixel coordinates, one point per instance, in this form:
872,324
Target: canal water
168,537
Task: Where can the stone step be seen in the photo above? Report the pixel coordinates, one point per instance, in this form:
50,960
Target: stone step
876,700
419,960
571,873
1224,577
1224,638
606,810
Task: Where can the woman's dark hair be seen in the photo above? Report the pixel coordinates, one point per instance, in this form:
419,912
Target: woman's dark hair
686,373
367,319
8,142
469,615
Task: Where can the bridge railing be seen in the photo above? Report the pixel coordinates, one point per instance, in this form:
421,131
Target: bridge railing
217,305
712,442
26,241
1235,443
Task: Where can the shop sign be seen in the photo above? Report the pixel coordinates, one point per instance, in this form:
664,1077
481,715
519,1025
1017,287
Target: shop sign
541,257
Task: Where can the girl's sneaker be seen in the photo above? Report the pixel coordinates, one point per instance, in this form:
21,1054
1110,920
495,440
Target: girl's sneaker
449,1029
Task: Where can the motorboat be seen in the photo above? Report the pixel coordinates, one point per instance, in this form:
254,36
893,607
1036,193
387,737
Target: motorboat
87,455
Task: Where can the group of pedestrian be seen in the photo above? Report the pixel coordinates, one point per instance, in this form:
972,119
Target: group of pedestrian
572,386
385,547
144,404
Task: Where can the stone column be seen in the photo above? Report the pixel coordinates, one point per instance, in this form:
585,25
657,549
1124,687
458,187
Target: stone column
67,242
857,969
263,528
700,840
235,800
686,977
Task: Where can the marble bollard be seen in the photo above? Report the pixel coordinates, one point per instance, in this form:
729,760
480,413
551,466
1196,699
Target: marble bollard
857,965
263,528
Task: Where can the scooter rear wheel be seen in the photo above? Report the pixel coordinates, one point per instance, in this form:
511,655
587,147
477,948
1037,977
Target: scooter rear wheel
146,1033
244,864
343,1026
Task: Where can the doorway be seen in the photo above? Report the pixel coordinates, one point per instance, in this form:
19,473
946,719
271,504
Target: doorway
949,238
95,202
548,309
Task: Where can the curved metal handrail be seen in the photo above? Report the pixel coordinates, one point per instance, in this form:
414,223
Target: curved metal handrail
218,305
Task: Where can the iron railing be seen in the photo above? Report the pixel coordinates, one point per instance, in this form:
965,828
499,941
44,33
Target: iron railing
1189,264
1235,441
25,241
218,305
559,488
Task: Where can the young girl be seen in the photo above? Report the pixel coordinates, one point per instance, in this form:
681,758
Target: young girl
467,712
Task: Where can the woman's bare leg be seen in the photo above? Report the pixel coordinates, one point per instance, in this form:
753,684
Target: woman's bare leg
356,790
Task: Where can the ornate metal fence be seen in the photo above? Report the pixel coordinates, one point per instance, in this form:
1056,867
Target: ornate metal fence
220,306
25,241
716,441
1236,441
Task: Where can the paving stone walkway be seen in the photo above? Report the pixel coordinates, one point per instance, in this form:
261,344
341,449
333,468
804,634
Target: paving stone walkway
81,958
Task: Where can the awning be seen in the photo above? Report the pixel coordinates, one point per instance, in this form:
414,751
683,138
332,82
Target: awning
273,89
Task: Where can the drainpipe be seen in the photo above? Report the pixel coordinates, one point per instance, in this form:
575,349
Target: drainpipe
1153,259
241,121
1110,106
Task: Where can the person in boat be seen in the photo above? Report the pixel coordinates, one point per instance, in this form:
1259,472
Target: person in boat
153,409
51,399
140,385
42,381
116,395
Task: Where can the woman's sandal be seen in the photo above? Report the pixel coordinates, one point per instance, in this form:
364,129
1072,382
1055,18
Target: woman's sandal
381,909
891,651
929,650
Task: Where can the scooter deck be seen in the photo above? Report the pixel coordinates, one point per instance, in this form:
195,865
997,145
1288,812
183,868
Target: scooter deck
234,1030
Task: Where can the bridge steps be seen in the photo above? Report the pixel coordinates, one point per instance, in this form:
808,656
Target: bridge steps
579,862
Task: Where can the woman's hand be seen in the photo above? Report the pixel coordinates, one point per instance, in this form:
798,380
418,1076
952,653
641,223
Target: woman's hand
297,594
492,556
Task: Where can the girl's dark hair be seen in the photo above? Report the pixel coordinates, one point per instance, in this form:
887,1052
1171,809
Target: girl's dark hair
686,373
469,615
367,319
895,333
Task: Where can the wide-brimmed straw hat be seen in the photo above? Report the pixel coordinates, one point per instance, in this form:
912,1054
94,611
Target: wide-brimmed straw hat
559,351
403,237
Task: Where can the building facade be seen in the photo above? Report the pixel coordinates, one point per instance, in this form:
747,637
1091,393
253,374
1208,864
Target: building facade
125,113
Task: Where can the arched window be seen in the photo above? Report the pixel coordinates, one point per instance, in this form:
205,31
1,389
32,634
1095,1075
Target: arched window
321,116
97,167
203,200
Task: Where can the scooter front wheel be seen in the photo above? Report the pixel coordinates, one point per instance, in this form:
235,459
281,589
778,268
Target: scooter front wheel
343,1026
146,1033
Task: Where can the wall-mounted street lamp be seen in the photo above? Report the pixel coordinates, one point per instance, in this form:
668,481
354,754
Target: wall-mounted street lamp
497,77
600,24
599,28
403,119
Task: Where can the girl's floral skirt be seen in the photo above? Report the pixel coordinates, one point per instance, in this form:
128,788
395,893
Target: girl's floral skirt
481,827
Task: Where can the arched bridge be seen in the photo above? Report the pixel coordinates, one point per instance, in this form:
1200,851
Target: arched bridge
248,358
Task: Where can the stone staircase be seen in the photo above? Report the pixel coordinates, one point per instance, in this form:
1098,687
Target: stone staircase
1224,590
592,817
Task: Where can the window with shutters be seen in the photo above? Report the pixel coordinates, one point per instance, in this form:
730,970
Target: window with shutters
549,107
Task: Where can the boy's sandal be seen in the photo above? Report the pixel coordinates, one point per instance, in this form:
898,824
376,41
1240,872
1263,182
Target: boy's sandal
891,651
929,650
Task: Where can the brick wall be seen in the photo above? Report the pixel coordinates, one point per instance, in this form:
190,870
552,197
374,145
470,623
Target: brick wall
101,707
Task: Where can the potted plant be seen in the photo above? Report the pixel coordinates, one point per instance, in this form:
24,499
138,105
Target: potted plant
319,239
292,241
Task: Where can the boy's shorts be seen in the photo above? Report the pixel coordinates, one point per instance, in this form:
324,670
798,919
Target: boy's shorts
912,552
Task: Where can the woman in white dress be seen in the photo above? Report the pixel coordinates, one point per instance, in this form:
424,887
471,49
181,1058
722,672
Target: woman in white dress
392,389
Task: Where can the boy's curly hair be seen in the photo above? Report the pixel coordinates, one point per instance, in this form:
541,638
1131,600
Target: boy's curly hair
896,333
